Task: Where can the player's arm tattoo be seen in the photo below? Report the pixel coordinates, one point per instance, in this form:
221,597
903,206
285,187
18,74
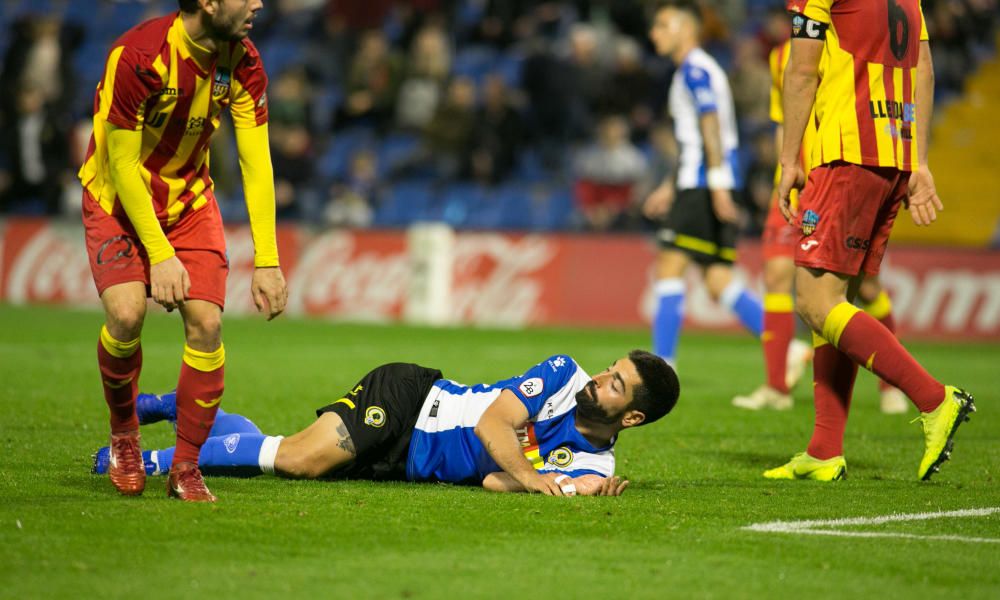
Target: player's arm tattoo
344,441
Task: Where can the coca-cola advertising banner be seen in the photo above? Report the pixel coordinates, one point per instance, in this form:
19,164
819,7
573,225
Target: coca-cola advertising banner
505,280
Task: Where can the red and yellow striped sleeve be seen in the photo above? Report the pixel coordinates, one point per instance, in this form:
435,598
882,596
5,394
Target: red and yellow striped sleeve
129,80
249,88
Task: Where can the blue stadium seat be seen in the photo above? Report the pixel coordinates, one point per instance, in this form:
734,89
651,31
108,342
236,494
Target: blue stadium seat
334,162
508,65
396,148
405,203
279,54
473,62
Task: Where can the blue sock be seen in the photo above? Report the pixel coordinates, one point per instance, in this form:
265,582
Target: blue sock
748,307
236,455
669,318
227,423
152,408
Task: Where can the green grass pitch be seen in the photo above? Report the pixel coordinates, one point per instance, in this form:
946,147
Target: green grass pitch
677,532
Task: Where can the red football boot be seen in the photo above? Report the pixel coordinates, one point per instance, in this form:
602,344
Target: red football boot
185,482
125,467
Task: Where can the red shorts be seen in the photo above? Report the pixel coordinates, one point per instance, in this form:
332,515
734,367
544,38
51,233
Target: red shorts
117,256
779,237
846,212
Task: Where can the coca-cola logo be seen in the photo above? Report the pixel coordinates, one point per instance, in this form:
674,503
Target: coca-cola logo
51,267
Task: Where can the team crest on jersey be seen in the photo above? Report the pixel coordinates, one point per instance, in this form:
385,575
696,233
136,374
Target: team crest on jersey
531,387
809,222
220,83
375,417
561,457
231,442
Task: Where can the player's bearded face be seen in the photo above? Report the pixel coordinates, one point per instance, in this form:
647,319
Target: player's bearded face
232,20
588,407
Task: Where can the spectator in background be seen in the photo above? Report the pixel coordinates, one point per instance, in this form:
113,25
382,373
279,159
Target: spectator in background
40,56
607,174
588,77
425,77
35,142
351,201
372,84
498,134
290,99
294,165
447,139
630,88
750,80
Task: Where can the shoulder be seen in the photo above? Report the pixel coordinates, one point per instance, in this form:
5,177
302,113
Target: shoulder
147,38
699,69
245,55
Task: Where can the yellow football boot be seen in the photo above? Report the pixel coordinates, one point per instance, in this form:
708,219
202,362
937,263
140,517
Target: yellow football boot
940,426
803,466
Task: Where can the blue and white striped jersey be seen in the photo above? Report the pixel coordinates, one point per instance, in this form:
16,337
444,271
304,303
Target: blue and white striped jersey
444,446
700,86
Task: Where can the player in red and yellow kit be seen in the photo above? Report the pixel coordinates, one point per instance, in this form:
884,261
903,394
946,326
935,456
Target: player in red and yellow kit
152,223
873,97
784,356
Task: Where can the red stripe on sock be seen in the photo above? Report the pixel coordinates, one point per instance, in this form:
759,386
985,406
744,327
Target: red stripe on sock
779,328
833,376
194,420
120,379
866,339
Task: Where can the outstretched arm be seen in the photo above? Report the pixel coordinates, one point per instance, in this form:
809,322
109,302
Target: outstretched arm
497,431
586,485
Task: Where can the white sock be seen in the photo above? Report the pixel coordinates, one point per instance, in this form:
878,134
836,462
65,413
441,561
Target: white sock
268,452
731,294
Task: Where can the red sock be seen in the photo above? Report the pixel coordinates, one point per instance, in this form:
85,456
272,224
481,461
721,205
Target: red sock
833,383
779,328
871,345
881,308
120,364
199,392
889,322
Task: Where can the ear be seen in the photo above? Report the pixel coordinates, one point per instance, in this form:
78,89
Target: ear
633,418
209,6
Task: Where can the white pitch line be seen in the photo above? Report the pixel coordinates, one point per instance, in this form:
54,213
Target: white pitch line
810,527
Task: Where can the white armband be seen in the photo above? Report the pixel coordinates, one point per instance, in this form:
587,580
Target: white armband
720,178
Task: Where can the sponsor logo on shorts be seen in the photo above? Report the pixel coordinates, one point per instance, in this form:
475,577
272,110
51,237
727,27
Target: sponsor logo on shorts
531,387
809,245
561,457
375,417
809,222
113,249
231,442
856,243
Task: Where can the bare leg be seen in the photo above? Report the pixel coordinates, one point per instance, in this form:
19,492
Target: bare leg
317,450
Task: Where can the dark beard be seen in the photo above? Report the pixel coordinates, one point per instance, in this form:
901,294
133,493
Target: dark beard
224,31
588,408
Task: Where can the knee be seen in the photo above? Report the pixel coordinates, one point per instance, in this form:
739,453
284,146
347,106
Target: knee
125,318
204,331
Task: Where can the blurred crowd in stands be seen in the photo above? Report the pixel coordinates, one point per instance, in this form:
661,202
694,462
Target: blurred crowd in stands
499,114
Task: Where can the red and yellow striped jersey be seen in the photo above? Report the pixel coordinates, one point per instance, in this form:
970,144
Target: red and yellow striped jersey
865,103
158,80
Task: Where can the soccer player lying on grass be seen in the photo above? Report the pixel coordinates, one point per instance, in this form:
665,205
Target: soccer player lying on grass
550,430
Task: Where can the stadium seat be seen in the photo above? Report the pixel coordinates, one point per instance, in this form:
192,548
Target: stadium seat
405,203
334,162
474,62
394,149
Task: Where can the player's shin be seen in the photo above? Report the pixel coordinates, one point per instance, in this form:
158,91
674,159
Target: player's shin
747,307
120,363
833,383
199,392
779,329
875,348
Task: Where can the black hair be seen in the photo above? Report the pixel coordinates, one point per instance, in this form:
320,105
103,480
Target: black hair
657,394
691,7
188,6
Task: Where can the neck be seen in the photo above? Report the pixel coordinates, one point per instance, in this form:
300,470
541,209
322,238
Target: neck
598,434
683,49
196,31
